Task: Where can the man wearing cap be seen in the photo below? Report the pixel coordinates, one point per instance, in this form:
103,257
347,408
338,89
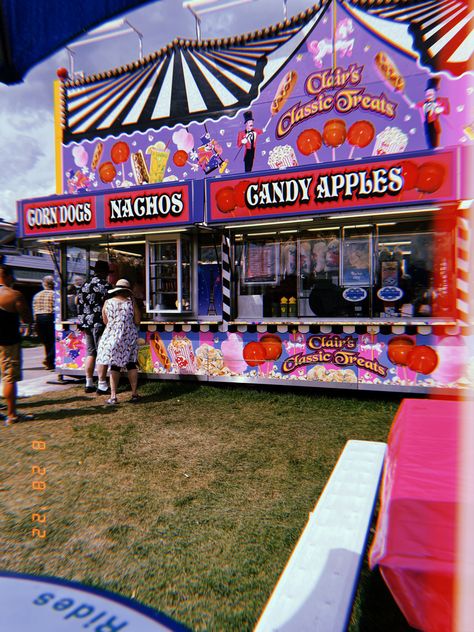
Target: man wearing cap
90,300
43,311
13,307
248,139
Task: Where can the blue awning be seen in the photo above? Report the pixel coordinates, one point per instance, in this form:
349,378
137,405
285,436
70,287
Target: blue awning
31,30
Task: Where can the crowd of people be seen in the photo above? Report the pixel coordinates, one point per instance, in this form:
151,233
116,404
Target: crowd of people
109,316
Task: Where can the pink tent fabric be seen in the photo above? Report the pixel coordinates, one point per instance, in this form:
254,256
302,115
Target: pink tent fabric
415,541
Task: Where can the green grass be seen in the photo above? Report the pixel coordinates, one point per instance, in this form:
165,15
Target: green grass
190,501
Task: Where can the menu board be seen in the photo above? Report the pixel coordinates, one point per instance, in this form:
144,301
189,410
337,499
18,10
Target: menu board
260,262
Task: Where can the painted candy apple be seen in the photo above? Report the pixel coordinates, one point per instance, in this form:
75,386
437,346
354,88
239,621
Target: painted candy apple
361,133
225,199
430,177
334,132
272,345
254,353
120,152
423,359
399,349
107,172
409,174
239,193
309,141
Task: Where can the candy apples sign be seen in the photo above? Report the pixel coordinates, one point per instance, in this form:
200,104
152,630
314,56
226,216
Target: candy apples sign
379,182
63,215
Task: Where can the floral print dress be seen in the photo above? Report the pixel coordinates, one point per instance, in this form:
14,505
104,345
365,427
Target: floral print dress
118,345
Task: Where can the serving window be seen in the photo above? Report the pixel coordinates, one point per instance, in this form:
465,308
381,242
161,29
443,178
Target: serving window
169,275
126,261
380,270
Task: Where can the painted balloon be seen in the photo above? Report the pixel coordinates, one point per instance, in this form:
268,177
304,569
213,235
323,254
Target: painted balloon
361,133
107,172
334,133
225,199
399,349
430,177
409,174
180,158
423,359
120,152
254,353
309,141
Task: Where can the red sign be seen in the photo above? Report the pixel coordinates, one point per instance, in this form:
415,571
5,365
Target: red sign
166,205
61,216
375,183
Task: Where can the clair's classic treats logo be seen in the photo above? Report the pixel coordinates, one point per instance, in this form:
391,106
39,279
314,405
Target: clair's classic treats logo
356,184
333,350
337,90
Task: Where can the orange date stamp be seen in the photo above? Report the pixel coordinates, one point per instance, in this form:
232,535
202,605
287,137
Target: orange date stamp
38,486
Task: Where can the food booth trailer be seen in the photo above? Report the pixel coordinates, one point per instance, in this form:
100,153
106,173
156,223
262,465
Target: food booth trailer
291,205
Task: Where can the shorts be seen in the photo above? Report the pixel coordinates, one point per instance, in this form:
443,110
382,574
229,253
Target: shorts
92,340
10,363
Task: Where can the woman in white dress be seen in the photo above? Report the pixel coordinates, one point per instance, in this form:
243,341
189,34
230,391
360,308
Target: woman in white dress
118,346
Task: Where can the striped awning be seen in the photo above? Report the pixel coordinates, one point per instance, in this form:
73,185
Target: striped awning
190,81
186,81
442,30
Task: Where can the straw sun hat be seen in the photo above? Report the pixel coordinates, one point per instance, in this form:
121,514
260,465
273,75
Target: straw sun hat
122,285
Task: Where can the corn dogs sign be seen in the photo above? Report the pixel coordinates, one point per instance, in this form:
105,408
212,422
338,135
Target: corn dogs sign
380,182
59,215
140,207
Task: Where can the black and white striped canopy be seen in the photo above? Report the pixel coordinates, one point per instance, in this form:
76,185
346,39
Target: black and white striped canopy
187,81
192,81
442,30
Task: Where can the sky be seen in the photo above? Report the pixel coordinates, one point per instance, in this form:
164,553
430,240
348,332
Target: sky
27,168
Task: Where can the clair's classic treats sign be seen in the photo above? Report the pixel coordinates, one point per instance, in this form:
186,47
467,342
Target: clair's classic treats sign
63,215
379,182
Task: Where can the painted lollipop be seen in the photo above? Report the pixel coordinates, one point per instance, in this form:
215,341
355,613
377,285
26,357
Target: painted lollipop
334,134
360,134
120,153
398,352
180,158
309,141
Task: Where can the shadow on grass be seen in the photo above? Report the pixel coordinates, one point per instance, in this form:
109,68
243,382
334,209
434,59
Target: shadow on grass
59,400
378,609
57,415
